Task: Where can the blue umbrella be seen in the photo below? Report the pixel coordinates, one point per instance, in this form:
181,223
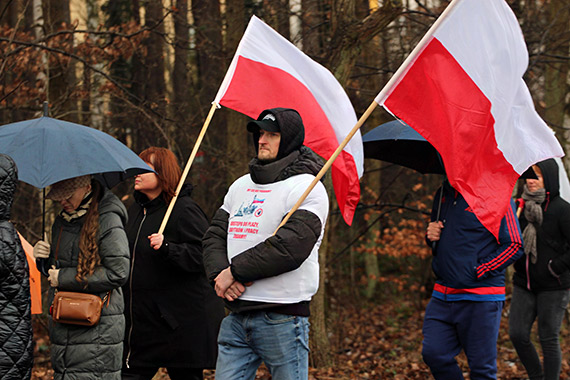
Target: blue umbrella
48,150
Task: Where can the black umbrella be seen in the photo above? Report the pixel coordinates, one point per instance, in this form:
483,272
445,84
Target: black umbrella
398,143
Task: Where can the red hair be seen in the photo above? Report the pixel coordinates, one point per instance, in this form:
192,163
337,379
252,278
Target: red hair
166,168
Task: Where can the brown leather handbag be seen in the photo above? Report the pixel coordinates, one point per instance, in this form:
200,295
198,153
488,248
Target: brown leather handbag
77,308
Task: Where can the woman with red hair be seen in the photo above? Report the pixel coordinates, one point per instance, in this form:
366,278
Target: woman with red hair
172,313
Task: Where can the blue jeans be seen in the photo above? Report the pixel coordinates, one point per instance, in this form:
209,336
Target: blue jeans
548,307
280,341
452,326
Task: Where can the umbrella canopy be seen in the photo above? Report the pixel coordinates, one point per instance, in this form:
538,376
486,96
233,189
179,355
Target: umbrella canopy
398,143
48,150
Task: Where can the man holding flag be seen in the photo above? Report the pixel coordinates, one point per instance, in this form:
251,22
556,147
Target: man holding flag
268,277
468,297
462,89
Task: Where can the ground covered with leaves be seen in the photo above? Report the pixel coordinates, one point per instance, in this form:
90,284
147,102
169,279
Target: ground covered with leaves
370,341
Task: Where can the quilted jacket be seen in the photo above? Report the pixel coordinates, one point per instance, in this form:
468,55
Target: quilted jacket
16,339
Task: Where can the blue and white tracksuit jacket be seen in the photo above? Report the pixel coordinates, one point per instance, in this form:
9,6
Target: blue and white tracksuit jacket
468,262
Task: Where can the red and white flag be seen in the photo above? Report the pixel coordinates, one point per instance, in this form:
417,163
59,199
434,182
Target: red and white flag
268,71
462,89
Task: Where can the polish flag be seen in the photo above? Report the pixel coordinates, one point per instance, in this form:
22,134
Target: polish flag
268,71
462,89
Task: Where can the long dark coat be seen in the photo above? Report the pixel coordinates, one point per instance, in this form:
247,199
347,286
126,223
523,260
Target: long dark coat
173,314
16,340
89,353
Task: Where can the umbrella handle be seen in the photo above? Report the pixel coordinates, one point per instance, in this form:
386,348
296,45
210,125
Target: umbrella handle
44,212
41,263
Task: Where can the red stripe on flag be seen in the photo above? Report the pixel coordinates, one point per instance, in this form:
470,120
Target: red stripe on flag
274,87
440,101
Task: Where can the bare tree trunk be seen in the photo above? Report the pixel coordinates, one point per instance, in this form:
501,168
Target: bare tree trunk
180,77
311,18
211,69
239,142
321,355
556,83
154,60
125,123
276,13
319,343
61,75
349,34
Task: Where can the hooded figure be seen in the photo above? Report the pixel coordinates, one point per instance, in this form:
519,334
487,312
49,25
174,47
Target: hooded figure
542,278
16,338
552,237
267,279
287,122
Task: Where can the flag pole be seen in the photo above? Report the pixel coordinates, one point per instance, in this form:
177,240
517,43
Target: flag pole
187,167
419,47
329,163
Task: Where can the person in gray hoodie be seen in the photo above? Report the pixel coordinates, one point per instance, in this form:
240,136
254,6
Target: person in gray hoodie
542,276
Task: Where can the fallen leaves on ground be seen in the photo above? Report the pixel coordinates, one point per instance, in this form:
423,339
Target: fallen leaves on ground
371,341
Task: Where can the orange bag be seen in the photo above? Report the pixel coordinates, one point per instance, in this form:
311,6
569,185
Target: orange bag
77,308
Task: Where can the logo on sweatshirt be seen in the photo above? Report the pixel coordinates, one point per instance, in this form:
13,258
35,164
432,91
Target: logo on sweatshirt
469,209
254,208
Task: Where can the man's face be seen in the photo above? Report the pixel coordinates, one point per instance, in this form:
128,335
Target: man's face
268,145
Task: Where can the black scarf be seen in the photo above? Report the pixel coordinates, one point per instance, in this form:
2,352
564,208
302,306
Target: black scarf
264,173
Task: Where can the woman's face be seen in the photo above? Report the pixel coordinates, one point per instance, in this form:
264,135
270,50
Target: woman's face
72,203
147,184
535,184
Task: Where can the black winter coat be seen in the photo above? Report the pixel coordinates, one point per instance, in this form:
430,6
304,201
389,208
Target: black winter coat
173,315
286,251
16,339
553,239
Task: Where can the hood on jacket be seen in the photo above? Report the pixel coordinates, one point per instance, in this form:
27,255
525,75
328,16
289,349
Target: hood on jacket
110,203
8,182
550,176
290,126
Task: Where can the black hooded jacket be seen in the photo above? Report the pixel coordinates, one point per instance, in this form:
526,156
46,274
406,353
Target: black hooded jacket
291,245
16,338
553,239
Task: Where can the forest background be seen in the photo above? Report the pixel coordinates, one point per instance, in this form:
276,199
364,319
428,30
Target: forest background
146,72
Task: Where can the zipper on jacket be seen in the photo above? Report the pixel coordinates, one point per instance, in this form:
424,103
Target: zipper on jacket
131,288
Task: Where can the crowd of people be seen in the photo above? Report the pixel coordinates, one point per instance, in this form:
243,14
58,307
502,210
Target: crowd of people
163,294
